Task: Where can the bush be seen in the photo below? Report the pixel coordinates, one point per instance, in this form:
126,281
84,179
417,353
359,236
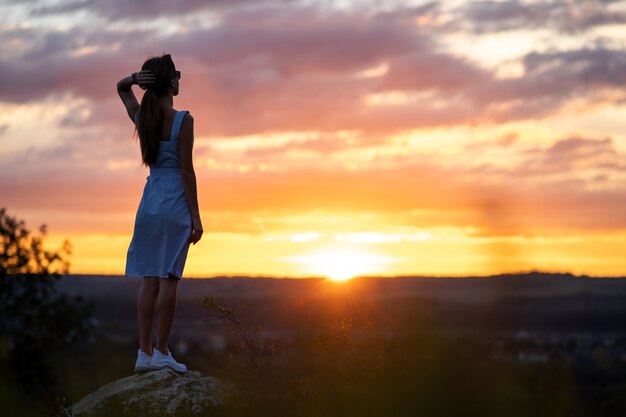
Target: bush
35,322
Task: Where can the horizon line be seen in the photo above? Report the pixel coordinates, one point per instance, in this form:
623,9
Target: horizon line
496,275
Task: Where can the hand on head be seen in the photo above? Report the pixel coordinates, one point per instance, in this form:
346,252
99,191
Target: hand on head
145,79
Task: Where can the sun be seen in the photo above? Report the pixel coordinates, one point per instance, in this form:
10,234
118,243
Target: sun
341,264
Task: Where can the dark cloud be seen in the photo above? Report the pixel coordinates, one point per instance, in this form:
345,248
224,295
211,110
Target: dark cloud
52,68
551,80
570,16
298,42
294,68
144,10
61,8
567,158
425,69
588,66
571,155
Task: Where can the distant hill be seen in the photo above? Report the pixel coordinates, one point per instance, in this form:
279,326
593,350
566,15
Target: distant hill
469,289
535,300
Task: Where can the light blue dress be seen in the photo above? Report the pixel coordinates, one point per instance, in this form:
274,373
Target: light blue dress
163,222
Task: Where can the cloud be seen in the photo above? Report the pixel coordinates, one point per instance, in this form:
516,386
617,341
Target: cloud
507,140
589,66
572,161
61,8
267,81
574,154
550,81
296,68
115,10
551,187
570,16
322,145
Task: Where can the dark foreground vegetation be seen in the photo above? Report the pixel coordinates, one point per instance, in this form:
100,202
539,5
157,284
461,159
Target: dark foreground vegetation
355,371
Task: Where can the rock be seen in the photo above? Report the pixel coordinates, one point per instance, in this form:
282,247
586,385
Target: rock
155,393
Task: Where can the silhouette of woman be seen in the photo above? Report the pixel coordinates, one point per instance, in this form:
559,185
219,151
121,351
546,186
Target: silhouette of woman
168,218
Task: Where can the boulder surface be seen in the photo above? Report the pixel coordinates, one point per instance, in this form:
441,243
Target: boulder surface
155,393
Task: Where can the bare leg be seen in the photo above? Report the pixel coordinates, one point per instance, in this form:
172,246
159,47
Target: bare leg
145,312
166,304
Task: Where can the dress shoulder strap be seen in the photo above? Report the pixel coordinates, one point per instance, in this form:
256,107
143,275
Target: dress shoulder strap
178,121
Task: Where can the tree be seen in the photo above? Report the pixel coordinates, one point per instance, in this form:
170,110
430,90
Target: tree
36,321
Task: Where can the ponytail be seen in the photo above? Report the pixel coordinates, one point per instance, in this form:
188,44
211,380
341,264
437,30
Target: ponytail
148,124
148,127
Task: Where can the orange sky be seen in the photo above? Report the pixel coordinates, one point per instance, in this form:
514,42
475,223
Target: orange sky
337,139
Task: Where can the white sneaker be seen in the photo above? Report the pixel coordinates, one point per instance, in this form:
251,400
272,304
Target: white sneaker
161,361
143,361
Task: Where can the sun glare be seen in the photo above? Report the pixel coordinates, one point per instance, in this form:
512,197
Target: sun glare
341,264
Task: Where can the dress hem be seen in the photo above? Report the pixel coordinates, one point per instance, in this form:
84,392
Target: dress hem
169,274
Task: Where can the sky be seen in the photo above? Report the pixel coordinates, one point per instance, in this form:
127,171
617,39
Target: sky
332,138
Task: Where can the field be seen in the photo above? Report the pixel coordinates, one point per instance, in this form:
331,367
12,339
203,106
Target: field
533,344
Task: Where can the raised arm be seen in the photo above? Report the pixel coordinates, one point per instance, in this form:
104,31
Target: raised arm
185,142
142,78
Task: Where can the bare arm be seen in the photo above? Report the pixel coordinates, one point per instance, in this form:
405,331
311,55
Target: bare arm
188,174
143,78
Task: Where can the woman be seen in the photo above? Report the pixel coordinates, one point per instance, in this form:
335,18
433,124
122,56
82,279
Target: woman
168,218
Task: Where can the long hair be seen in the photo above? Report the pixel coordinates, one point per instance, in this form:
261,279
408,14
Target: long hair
150,119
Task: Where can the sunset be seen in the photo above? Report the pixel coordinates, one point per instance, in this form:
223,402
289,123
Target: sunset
485,132
344,192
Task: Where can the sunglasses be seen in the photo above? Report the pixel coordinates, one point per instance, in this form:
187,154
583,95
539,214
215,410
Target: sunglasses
177,73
